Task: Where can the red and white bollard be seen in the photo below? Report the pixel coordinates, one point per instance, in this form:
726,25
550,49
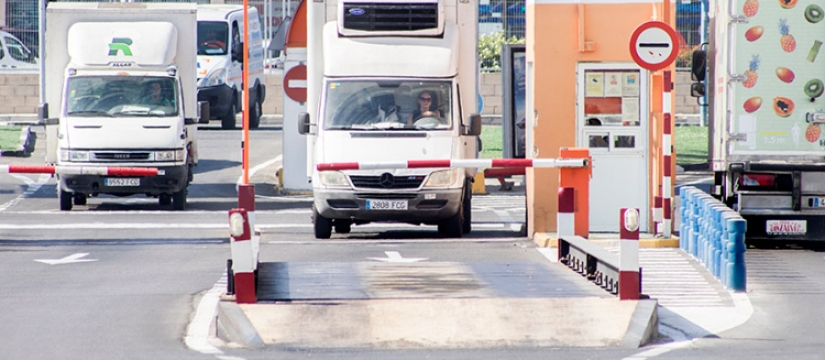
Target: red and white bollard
667,126
566,215
244,258
629,281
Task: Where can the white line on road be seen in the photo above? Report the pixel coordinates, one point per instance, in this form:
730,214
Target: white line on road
31,188
222,225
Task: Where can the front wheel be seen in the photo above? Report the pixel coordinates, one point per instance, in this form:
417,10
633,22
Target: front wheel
255,115
179,200
66,199
228,120
467,208
322,225
453,227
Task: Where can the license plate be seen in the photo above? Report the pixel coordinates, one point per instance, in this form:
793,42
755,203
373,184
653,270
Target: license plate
816,202
786,227
386,204
122,181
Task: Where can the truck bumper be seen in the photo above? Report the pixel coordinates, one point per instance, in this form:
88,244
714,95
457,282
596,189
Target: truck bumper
219,98
175,178
423,207
757,228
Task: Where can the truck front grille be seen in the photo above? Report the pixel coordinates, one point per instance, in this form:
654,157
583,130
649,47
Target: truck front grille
390,16
120,156
387,181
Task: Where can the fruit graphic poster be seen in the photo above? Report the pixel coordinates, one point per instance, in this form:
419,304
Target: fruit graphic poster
781,75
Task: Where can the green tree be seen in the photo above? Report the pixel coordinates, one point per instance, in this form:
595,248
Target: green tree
489,48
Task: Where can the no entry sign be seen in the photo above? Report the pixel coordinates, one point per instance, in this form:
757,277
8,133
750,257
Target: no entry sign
654,45
295,83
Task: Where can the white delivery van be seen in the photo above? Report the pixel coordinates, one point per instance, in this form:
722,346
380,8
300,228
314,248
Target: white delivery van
220,63
122,82
391,81
14,55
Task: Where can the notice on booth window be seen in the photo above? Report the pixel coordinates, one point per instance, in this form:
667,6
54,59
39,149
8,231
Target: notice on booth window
630,110
630,83
594,84
613,84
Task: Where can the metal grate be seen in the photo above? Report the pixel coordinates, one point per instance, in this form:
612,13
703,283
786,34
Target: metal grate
390,16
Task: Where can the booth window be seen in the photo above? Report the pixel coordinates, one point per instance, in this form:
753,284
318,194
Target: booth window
611,97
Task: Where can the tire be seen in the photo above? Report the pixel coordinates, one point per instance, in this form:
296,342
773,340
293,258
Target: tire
165,199
255,115
79,199
66,199
228,120
453,227
322,225
343,226
179,200
467,206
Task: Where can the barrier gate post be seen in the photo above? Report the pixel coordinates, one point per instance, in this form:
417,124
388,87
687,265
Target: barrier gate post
579,180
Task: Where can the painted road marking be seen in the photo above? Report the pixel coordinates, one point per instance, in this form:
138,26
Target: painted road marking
395,257
74,258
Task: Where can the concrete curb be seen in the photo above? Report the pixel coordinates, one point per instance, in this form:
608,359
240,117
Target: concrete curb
234,326
644,325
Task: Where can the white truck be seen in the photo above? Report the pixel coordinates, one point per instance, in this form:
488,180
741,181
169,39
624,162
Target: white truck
220,63
121,79
764,88
391,81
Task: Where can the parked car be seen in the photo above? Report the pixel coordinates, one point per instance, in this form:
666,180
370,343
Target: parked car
15,55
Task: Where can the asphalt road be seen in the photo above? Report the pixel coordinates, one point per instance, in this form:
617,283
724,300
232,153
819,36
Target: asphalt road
129,275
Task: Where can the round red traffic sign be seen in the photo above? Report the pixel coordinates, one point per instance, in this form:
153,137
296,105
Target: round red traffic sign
295,83
654,45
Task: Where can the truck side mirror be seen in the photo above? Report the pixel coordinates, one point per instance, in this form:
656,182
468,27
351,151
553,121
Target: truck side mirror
303,123
475,125
697,89
698,65
43,115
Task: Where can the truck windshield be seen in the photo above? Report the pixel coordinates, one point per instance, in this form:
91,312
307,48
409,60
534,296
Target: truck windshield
212,36
388,105
118,96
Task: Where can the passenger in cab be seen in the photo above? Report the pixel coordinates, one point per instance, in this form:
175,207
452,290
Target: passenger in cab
427,107
154,95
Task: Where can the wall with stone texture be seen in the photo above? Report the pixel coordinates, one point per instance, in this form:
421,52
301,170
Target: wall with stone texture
20,94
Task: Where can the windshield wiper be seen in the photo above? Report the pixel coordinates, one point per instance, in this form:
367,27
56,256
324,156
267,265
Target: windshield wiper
89,113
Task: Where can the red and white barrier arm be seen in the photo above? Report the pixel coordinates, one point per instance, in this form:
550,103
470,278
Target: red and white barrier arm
472,163
79,170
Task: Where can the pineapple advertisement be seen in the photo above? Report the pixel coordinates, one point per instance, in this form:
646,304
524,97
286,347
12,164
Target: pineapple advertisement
777,55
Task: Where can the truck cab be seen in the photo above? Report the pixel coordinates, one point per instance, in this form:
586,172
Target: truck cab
392,91
125,98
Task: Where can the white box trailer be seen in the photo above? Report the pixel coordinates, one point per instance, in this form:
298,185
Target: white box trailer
121,81
391,81
764,86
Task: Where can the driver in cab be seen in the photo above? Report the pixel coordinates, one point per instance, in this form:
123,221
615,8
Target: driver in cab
426,107
213,41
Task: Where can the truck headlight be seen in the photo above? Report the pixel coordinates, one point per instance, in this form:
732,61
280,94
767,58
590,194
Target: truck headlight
215,78
170,155
442,178
70,155
333,178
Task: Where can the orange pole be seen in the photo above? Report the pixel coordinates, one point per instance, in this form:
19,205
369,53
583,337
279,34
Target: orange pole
579,180
245,86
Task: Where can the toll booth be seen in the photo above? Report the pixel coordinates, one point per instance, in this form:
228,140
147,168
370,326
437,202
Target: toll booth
584,89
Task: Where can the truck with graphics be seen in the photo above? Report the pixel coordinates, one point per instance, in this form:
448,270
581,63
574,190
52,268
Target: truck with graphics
120,78
766,112
391,81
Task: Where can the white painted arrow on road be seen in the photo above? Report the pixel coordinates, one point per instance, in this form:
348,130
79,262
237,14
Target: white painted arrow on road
74,258
395,256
